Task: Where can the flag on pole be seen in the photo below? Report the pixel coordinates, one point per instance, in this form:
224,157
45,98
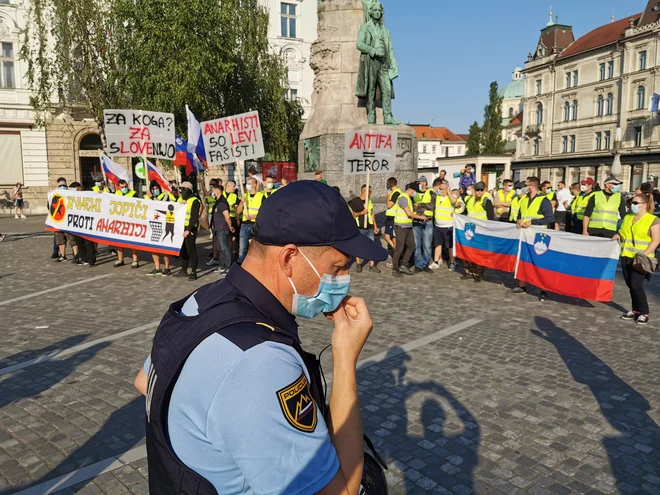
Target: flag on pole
114,172
154,174
198,166
655,103
565,263
195,141
184,158
490,244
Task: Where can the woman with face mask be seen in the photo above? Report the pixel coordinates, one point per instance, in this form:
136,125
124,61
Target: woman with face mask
639,233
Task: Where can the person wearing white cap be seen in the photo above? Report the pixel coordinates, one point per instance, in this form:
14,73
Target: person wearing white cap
603,211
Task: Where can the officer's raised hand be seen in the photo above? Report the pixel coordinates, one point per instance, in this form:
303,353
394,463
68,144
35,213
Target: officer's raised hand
352,328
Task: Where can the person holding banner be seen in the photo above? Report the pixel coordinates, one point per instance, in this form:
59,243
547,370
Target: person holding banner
189,248
99,185
479,206
127,192
155,194
536,210
359,210
639,234
249,208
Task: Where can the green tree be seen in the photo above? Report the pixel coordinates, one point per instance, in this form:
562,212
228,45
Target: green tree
474,140
492,141
160,56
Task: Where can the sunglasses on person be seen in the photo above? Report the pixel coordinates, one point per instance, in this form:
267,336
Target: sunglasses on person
638,202
479,190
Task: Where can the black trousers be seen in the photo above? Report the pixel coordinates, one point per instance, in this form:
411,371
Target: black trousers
189,252
635,282
87,252
405,240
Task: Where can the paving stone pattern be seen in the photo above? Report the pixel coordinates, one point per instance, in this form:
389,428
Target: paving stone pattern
539,398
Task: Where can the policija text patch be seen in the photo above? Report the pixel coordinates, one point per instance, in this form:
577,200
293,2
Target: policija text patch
298,405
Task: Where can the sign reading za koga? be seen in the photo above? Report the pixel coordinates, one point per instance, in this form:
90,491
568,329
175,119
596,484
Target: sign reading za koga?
231,139
139,133
370,152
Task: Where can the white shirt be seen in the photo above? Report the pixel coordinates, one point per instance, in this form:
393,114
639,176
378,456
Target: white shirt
563,195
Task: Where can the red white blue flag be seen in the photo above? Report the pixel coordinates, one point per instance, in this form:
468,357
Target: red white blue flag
154,174
114,172
490,244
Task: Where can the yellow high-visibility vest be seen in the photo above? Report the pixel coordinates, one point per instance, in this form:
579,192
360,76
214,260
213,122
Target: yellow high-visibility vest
252,205
401,217
504,197
391,212
635,237
606,213
532,210
129,194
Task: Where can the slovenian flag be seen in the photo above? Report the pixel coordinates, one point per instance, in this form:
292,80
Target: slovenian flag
195,141
114,172
486,243
569,264
154,174
183,158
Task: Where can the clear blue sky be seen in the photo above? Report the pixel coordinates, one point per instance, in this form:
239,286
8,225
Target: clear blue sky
449,51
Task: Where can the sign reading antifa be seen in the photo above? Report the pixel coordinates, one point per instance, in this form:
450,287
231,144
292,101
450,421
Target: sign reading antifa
231,139
370,152
152,226
139,133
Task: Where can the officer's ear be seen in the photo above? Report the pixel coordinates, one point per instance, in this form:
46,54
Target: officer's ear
287,257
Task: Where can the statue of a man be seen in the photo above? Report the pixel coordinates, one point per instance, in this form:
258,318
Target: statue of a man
378,67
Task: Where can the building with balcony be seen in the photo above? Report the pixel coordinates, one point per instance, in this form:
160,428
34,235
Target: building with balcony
586,98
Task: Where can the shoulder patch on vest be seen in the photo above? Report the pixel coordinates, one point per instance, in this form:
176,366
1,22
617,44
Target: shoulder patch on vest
298,406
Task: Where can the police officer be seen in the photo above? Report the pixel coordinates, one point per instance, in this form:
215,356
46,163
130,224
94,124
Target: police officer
156,194
189,248
601,216
234,405
127,192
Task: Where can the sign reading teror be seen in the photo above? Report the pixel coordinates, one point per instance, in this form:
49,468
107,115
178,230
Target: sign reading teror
231,139
370,152
139,133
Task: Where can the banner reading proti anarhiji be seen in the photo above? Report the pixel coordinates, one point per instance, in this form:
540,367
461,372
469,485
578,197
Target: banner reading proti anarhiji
144,225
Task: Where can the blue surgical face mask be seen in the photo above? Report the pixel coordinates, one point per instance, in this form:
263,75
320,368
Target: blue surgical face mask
248,187
97,184
155,192
616,188
519,192
634,209
124,190
332,291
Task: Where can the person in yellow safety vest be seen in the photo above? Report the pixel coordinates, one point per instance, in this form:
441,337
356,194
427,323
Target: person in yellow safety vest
249,208
269,186
546,188
231,196
403,226
99,185
126,192
639,234
514,211
424,202
503,199
536,210
188,252
443,230
156,194
601,216
210,204
364,214
571,220
580,203
480,207
393,193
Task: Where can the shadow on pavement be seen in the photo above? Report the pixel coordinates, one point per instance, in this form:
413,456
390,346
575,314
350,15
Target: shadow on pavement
624,408
62,345
22,385
123,430
447,445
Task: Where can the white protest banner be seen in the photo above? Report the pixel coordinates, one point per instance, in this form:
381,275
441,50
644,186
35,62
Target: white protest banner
370,152
144,225
233,139
139,133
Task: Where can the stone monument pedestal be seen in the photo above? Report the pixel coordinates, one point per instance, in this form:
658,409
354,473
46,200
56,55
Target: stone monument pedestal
335,60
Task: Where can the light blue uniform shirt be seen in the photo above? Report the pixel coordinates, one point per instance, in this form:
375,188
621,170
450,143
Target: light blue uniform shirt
225,420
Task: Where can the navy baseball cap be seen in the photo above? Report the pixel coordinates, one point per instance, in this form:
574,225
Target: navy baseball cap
310,213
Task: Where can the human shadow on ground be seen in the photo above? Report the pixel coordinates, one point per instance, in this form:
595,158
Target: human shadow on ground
32,381
631,451
122,431
28,354
441,448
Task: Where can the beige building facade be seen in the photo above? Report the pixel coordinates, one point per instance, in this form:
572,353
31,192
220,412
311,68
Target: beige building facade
587,98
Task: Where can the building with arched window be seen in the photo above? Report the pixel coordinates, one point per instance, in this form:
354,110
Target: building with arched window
594,92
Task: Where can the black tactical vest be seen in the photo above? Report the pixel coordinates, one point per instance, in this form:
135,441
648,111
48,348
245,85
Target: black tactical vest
221,306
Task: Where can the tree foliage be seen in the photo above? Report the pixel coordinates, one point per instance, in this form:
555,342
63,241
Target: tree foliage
492,141
159,55
474,140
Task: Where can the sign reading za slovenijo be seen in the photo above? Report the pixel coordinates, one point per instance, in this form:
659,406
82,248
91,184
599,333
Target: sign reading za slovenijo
370,151
139,133
234,138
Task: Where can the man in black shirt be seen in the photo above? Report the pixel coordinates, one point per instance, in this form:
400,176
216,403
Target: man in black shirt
222,227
